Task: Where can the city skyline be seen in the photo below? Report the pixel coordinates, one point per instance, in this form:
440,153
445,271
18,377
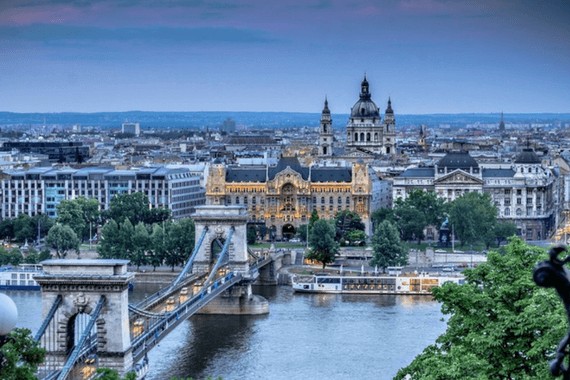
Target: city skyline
430,56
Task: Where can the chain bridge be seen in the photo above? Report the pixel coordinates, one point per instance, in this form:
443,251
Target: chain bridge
89,323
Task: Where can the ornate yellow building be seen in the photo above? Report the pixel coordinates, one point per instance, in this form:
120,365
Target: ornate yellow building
282,197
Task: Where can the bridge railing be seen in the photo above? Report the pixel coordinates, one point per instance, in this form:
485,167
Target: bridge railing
156,332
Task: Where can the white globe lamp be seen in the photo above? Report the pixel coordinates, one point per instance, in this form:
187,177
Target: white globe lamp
8,315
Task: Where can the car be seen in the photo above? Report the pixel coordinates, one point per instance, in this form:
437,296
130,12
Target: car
295,240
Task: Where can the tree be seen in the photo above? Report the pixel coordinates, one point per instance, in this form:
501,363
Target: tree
69,213
302,232
32,258
428,203
157,215
110,246
251,235
313,219
24,228
15,257
62,239
158,240
381,215
142,245
126,242
133,206
501,325
504,230
22,354
322,243
7,229
345,222
473,216
411,222
45,254
113,374
387,249
45,224
356,237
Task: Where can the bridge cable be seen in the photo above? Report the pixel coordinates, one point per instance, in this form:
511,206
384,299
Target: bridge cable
222,254
144,313
48,318
77,350
191,259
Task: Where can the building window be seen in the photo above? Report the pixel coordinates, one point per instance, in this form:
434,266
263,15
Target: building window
322,200
519,212
237,200
507,211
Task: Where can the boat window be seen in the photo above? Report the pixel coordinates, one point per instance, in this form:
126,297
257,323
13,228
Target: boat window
326,280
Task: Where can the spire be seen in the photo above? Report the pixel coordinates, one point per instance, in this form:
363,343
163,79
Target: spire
326,109
389,109
364,90
502,123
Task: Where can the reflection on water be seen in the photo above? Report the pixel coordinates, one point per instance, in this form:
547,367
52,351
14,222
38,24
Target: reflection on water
305,336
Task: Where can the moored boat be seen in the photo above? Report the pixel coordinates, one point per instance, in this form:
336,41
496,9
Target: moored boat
421,284
20,277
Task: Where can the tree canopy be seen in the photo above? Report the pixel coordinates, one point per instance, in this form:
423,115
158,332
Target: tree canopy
62,239
387,249
346,223
473,216
22,354
322,243
501,325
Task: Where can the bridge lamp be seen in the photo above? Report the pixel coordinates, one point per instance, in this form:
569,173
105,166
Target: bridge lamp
8,319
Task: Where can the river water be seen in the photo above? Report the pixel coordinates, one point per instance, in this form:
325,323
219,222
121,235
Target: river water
305,336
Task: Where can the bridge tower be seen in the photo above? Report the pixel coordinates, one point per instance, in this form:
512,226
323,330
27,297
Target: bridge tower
82,284
219,221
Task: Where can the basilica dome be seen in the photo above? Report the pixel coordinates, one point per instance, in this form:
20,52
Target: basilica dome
364,107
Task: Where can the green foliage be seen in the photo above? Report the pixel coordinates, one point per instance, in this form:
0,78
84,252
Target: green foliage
110,245
356,237
302,232
504,230
134,207
78,214
322,243
32,258
45,254
22,355
24,228
411,222
12,257
347,222
142,245
429,204
474,217
387,249
501,325
7,229
381,215
251,235
313,219
113,374
62,239
158,240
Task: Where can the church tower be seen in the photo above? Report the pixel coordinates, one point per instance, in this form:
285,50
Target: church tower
326,133
502,123
365,130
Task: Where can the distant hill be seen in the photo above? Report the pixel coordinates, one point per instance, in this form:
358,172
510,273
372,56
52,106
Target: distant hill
265,119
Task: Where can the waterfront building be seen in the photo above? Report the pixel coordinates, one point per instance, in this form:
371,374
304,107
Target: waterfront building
282,197
525,191
39,190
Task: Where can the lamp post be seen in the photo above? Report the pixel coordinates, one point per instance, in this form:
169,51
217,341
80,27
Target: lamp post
39,229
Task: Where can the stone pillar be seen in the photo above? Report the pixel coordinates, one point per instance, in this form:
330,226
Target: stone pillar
219,220
81,284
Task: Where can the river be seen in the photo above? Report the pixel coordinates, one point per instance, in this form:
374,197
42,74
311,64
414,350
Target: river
305,336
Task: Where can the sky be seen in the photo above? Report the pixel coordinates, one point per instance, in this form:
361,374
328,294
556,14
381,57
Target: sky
429,56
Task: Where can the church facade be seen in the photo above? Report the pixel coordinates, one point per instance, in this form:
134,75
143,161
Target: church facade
367,135
283,197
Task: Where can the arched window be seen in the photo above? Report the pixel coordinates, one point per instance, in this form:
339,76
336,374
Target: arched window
322,200
519,212
387,150
347,200
507,211
331,200
356,137
529,170
339,200
237,200
368,136
362,136
376,136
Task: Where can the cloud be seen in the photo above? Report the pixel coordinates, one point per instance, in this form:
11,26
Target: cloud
52,33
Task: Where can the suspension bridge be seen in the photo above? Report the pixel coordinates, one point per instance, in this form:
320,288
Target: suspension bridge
89,323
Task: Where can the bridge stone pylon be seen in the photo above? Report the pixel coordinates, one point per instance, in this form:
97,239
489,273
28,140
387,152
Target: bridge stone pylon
219,220
81,283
